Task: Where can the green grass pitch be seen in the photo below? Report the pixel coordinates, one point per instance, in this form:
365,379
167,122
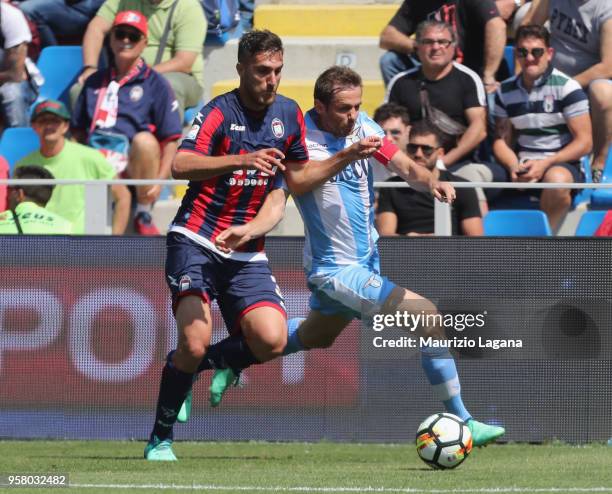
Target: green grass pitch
258,467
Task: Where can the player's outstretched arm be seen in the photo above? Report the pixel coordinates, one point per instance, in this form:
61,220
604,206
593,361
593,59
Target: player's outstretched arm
420,177
304,178
189,165
271,212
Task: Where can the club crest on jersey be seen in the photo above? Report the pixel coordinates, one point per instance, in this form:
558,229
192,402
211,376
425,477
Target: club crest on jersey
278,129
136,94
549,103
193,132
184,283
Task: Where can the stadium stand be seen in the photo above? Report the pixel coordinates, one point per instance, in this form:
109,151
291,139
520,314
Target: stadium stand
589,222
16,142
517,223
602,199
60,66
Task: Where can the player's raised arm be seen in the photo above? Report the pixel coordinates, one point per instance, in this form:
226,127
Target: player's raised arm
267,218
302,178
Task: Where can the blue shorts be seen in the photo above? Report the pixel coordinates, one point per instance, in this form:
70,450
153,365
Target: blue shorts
238,287
356,291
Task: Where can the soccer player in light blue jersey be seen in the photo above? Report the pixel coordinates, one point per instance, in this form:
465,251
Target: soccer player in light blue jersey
340,254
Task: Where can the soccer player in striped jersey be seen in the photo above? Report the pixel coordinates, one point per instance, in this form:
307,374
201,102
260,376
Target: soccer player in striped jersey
340,255
236,145
548,114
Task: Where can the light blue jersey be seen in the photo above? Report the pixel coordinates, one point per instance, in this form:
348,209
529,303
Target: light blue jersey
339,215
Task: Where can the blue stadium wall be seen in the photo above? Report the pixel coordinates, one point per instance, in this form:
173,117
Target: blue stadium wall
85,324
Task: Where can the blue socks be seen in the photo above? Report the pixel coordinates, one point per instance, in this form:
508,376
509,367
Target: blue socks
440,369
294,344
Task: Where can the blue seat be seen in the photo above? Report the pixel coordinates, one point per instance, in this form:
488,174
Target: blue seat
589,222
516,223
190,113
16,142
584,195
602,198
60,66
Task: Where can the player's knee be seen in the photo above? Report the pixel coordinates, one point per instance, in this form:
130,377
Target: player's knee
266,341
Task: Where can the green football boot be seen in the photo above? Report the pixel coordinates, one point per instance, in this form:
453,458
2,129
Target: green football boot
157,450
185,411
483,434
222,379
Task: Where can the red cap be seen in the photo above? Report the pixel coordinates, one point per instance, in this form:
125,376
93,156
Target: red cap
132,18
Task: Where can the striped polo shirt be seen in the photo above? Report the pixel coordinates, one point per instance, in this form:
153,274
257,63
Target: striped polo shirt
540,116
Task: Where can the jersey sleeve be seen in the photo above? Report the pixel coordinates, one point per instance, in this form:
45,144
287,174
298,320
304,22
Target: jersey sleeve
296,149
499,110
575,102
165,111
206,131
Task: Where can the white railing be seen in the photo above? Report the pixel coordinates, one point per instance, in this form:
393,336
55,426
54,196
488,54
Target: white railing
98,203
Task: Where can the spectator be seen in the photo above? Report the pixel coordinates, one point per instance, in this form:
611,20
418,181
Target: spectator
69,160
179,60
407,211
549,112
129,112
581,36
395,121
61,18
18,76
398,36
27,213
451,88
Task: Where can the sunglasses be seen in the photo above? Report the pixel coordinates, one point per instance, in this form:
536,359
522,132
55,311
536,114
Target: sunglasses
393,132
535,52
444,43
426,149
132,36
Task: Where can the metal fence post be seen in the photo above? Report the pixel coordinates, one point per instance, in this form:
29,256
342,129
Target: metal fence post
442,219
96,209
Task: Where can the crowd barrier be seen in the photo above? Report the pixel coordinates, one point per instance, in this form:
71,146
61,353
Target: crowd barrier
85,324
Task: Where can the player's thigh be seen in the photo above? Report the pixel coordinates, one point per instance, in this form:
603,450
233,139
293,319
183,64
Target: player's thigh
190,275
251,302
321,330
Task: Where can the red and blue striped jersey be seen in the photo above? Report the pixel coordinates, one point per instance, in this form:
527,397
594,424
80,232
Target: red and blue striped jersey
225,127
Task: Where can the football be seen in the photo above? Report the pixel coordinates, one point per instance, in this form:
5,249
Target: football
443,441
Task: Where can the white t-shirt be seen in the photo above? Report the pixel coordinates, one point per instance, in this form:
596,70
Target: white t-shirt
15,29
575,27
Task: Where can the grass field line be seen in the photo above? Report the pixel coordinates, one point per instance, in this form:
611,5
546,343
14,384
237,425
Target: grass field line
408,490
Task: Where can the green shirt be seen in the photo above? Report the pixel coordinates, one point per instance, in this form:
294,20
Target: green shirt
74,161
187,31
34,220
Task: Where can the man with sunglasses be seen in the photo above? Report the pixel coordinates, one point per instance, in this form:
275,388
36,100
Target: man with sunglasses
407,211
129,112
180,60
581,35
547,112
451,88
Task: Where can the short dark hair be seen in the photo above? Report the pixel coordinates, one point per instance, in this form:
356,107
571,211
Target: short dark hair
40,194
334,80
424,128
432,24
391,110
258,41
532,31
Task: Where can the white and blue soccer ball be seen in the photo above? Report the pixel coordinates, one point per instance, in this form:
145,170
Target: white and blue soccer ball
443,441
